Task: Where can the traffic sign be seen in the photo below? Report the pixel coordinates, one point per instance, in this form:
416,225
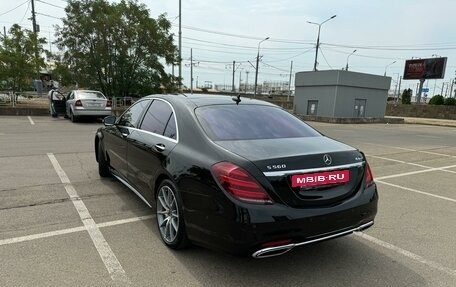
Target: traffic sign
425,90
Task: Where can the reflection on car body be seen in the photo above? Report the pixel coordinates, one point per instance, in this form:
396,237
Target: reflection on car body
225,175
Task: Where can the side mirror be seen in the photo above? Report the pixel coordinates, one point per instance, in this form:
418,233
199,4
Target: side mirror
109,121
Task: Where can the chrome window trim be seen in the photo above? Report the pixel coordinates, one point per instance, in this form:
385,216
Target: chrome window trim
153,134
309,170
175,120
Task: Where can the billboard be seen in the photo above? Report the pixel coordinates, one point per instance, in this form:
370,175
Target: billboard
432,68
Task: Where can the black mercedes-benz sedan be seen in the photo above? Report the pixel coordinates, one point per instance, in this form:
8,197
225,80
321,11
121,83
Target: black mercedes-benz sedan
238,175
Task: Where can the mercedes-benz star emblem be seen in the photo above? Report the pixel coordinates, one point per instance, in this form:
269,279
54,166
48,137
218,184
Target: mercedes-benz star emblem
327,159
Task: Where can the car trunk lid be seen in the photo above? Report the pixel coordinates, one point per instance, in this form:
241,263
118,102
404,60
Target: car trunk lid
306,171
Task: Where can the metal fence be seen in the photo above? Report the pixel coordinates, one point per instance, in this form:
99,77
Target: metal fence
118,102
8,99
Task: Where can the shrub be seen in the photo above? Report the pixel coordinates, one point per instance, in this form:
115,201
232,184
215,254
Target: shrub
450,102
437,100
407,97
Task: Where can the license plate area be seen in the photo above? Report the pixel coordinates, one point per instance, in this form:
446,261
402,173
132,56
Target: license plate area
320,178
93,105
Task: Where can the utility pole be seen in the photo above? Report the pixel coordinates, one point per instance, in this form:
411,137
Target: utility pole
232,83
33,16
318,39
399,90
289,81
441,91
256,67
35,33
451,89
4,34
172,72
180,46
191,70
246,84
240,80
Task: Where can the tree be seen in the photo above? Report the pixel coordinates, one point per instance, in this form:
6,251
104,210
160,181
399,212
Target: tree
437,100
407,96
450,102
117,48
18,63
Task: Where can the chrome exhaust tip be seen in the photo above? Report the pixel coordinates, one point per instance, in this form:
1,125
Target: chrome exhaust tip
282,249
272,251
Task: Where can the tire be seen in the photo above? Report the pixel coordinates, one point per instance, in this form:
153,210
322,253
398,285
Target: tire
52,111
170,218
103,165
73,117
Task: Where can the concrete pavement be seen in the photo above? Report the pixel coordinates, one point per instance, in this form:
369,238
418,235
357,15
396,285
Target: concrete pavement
427,121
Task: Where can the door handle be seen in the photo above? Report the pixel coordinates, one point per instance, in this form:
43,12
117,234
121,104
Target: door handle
159,147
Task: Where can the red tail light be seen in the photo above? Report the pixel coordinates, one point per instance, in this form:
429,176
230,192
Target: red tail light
276,243
78,103
109,103
369,177
239,183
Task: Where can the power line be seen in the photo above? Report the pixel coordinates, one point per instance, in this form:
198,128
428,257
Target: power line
50,4
364,56
321,50
15,8
247,37
389,49
50,16
25,14
271,66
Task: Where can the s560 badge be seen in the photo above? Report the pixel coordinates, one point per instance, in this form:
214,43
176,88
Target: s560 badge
276,166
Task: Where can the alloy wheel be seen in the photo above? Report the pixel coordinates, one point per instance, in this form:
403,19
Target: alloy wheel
167,214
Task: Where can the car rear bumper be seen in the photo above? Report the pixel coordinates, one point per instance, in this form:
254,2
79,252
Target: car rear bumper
255,229
282,249
91,113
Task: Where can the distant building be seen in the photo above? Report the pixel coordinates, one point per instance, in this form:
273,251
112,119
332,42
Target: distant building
338,93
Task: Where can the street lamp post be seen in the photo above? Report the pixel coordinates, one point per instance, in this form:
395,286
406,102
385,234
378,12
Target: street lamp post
384,74
346,66
256,68
318,38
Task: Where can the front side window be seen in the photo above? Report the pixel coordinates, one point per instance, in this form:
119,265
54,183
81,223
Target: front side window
159,119
246,122
130,117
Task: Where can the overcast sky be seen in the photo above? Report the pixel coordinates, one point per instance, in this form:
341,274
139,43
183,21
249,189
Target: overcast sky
219,32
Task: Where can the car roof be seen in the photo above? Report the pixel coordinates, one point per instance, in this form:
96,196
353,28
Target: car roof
199,100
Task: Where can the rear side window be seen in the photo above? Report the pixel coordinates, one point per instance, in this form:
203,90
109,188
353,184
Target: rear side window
159,119
91,95
232,122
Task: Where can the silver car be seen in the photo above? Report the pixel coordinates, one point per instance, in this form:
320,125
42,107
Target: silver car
87,103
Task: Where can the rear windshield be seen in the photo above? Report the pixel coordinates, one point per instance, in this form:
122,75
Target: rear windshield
244,122
90,95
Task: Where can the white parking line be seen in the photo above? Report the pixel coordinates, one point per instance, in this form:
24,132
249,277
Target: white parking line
415,172
416,191
30,120
409,149
71,230
108,257
409,163
408,254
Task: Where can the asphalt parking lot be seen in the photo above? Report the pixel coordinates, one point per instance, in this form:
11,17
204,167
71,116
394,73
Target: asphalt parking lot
62,225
